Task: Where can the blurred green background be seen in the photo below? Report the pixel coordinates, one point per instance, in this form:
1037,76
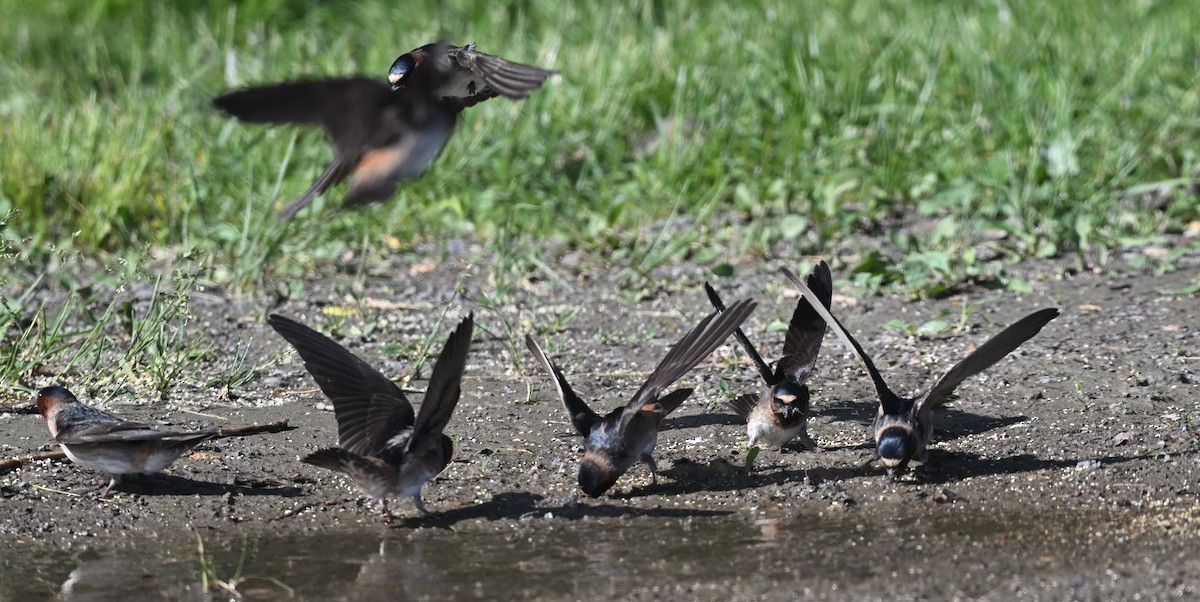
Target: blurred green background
1056,128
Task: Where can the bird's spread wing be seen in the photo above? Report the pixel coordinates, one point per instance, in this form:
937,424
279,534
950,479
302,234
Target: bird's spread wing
345,107
583,418
763,369
507,78
987,354
806,329
349,382
445,383
891,403
742,405
693,347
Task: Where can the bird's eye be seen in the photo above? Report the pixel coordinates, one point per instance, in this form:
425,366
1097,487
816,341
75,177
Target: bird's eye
401,68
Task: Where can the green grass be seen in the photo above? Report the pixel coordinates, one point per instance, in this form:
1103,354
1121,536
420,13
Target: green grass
809,123
794,126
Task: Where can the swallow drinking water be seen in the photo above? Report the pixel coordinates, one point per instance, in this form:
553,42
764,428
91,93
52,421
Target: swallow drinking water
98,440
380,136
779,413
903,426
627,435
384,450
474,76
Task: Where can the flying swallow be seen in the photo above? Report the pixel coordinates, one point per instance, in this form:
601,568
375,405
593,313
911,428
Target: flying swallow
903,426
381,446
380,136
614,443
779,412
474,76
98,440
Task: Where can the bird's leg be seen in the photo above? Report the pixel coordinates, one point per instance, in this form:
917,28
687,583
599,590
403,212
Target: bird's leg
388,517
806,441
111,483
648,460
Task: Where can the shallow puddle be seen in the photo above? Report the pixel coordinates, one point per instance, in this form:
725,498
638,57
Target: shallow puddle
542,558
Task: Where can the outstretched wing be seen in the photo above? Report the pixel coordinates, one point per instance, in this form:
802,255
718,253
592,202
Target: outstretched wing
510,79
693,347
361,395
806,329
345,107
987,354
763,369
742,405
445,384
583,418
891,403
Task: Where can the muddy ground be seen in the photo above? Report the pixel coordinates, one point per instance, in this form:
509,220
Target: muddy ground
1067,471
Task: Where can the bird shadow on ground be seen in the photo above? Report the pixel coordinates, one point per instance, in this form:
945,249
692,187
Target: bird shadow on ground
699,420
694,477
507,505
949,467
949,423
165,484
862,412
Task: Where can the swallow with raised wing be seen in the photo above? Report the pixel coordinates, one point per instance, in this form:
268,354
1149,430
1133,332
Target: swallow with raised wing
381,137
384,449
779,412
903,426
98,440
627,435
474,76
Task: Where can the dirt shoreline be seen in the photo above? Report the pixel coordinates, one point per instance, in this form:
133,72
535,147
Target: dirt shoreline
1095,418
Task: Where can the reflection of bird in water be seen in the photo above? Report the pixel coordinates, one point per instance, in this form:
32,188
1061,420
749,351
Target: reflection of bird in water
125,577
402,574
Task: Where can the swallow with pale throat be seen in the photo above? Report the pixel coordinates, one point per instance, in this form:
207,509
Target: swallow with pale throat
98,440
779,412
381,136
904,425
382,447
627,435
474,76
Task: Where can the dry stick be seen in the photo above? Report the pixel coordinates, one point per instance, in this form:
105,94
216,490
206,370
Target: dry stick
255,429
17,462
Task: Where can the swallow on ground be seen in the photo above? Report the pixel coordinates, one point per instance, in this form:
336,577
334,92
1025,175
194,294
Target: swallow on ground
779,412
903,426
474,76
380,136
381,446
627,435
98,440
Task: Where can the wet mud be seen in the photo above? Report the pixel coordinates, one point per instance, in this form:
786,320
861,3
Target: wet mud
1067,471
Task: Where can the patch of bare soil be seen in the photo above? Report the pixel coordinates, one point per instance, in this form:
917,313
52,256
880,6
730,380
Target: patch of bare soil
1069,469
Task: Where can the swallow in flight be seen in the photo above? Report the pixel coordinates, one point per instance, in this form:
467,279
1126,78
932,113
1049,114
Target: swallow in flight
381,137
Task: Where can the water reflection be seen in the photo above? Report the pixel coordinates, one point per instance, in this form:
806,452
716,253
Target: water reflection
128,577
582,557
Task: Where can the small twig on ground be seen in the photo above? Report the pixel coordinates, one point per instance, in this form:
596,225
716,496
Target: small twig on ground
14,463
25,409
255,429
